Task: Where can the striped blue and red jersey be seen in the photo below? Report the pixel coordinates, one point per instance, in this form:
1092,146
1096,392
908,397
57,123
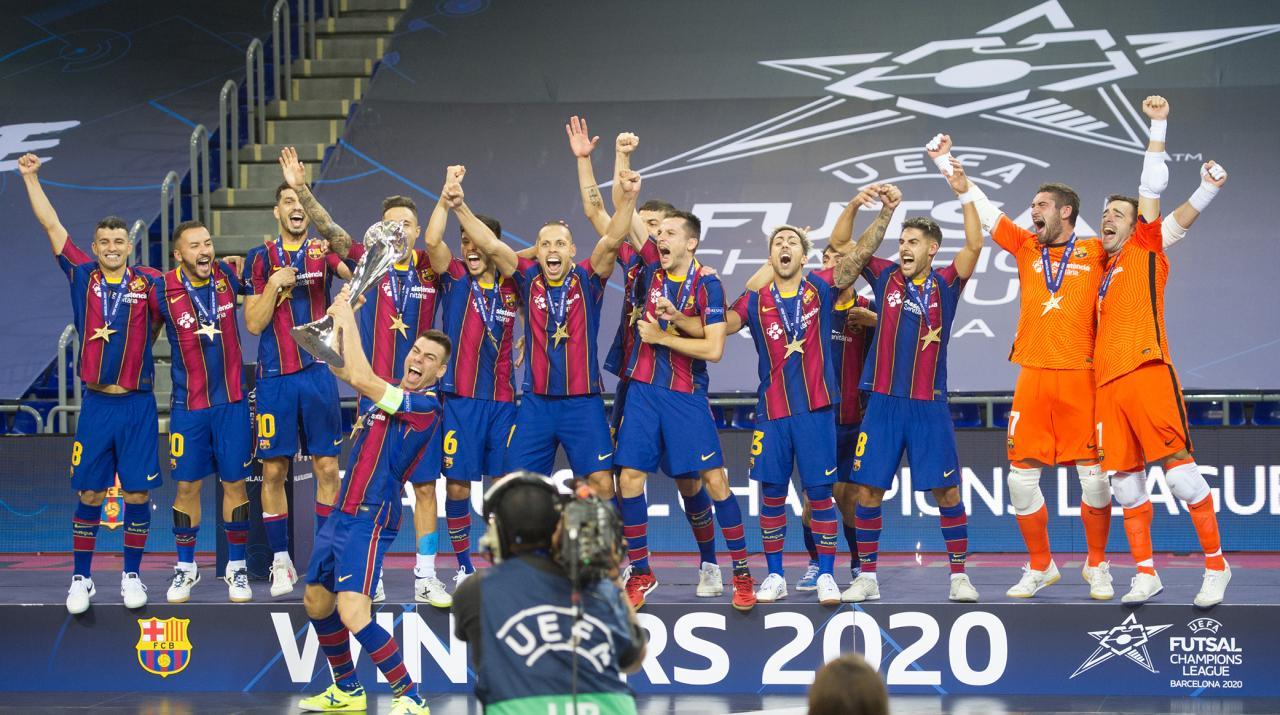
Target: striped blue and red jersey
206,370
122,357
802,381
692,294
908,356
631,262
386,451
480,319
849,343
566,365
407,292
278,353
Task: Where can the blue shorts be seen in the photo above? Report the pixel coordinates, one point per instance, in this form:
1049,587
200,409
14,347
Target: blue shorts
676,425
806,440
475,437
215,439
428,469
307,399
846,445
348,550
116,434
544,423
921,428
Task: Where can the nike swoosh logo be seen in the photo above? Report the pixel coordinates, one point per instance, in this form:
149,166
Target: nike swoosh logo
1091,446
337,441
1169,441
948,474
175,299
767,309
248,463
343,578
606,455
152,477
705,457
831,471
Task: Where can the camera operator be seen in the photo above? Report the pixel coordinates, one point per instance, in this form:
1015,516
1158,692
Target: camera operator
538,642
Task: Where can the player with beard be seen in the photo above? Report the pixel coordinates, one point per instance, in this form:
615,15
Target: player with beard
906,374
116,431
561,403
209,423
403,306
290,279
790,322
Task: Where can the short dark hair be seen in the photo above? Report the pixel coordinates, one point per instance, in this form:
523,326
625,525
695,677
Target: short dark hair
490,223
848,686
1063,195
692,223
927,226
185,226
111,222
398,201
529,515
438,337
656,205
1127,199
283,187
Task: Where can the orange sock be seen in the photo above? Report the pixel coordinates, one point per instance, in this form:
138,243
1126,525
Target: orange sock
1206,522
1137,526
1097,529
1035,531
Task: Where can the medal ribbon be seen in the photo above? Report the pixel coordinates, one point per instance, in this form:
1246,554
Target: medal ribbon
113,296
1054,282
558,304
1106,281
208,316
790,323
488,309
400,300
921,301
682,292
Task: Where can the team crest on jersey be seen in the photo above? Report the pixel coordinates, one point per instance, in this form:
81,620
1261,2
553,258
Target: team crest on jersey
509,300
313,251
1082,253
138,284
163,648
808,297
220,285
427,275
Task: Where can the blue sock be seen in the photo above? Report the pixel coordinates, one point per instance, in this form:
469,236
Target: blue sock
382,648
729,514
322,514
773,524
237,539
277,528
635,526
337,650
84,537
137,524
185,539
457,514
812,548
823,523
867,524
697,509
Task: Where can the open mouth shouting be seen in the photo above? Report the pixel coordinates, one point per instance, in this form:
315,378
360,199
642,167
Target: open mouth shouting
474,263
297,222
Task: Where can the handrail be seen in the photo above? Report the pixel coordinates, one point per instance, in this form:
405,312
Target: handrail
229,136
139,230
68,338
170,214
61,412
198,152
40,425
255,92
306,29
282,50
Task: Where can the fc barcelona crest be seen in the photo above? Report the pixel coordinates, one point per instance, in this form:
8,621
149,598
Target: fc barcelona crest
163,648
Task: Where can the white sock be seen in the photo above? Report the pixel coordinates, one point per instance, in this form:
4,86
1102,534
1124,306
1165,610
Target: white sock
188,566
234,566
425,567
871,575
282,557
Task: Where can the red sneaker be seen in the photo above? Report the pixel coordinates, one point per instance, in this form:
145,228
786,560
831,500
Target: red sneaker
640,585
744,592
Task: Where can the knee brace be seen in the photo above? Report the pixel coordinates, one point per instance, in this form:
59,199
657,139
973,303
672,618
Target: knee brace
1130,489
1187,484
1095,487
1024,490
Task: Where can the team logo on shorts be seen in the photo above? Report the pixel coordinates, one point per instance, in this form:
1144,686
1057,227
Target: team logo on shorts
163,648
448,462
1010,443
264,444
857,465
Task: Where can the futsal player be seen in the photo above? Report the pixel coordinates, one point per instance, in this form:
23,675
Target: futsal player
209,423
906,374
116,431
289,279
396,433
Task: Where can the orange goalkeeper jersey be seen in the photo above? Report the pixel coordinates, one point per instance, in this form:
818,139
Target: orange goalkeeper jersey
1131,306
1055,329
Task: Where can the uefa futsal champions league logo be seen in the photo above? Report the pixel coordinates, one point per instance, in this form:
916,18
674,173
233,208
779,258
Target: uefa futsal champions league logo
1023,71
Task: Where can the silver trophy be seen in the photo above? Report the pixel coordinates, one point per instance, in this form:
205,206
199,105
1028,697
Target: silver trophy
384,246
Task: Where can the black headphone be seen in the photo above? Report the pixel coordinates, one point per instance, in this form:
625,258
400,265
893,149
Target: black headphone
496,541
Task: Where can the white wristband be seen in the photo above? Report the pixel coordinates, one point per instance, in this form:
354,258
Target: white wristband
1203,195
1158,129
972,194
943,163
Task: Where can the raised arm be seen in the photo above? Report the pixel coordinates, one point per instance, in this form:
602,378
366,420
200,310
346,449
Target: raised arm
437,251
606,250
29,167
939,149
624,146
504,259
1212,178
852,263
581,143
356,370
295,175
1155,175
842,232
967,258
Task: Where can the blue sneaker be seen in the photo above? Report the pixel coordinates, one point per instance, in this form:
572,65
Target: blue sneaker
809,582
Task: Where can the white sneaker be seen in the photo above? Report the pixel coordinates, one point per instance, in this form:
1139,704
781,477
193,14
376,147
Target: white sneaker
133,590
1032,581
828,591
180,586
773,588
1099,580
431,590
1212,589
710,584
283,577
962,590
809,581
238,590
79,594
379,593
864,588
459,577
1142,588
